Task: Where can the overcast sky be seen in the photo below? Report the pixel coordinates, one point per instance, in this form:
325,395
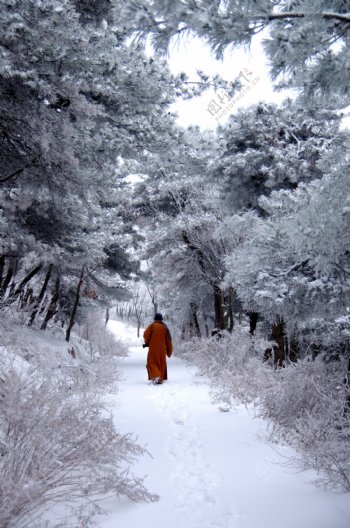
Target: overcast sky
192,55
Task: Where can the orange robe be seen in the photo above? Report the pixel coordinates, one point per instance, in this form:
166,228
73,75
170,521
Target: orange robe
158,337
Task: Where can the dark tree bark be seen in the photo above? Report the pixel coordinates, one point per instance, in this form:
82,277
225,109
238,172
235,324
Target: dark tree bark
230,318
52,309
206,326
253,321
8,277
40,296
193,321
26,279
278,335
75,306
219,309
347,383
2,265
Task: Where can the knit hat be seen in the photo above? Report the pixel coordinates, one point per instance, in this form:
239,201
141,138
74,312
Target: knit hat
158,317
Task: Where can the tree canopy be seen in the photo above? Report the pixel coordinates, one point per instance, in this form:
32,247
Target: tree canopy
306,41
83,111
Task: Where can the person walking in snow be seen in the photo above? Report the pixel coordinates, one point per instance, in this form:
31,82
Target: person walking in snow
157,337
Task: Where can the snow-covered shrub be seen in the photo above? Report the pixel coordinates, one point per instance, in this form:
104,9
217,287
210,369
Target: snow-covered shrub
58,445
84,365
232,361
95,331
58,442
321,333
309,407
306,403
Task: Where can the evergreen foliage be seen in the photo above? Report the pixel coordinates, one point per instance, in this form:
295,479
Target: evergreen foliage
305,40
73,105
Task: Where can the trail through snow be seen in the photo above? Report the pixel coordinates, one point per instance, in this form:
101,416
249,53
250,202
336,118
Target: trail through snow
211,469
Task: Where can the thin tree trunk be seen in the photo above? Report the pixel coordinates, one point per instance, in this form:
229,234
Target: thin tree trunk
253,321
26,297
75,306
347,382
278,335
193,322
8,277
2,265
218,308
154,302
230,318
206,326
293,349
41,296
52,306
26,279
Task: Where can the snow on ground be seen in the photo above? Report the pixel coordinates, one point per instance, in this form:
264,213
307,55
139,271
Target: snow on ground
211,469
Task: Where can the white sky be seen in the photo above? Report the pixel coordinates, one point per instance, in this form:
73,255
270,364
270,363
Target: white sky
193,54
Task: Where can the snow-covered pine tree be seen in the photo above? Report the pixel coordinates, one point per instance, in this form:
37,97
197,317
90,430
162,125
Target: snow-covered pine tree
178,214
306,40
73,105
293,266
266,147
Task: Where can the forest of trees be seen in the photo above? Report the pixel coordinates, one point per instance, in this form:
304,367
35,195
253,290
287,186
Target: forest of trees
244,227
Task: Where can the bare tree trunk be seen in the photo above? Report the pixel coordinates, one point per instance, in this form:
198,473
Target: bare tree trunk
26,297
26,279
52,306
75,305
347,383
253,321
41,296
230,317
183,332
278,335
219,309
138,315
2,265
107,316
154,302
206,326
293,349
193,321
9,274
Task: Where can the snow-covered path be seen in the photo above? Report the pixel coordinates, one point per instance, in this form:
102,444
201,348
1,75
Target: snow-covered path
211,469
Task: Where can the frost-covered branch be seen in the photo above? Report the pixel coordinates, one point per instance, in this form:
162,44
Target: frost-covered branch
327,15
14,174
299,43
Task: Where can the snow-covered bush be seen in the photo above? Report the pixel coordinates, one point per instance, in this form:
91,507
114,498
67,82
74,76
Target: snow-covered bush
58,446
306,403
87,363
58,442
309,407
232,361
96,333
